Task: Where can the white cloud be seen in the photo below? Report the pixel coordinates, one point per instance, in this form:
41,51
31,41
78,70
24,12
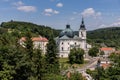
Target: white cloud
98,14
56,12
59,5
50,12
27,8
115,24
21,7
47,14
118,19
102,26
90,12
72,18
19,3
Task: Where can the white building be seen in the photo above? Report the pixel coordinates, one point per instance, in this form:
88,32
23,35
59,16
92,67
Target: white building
107,51
67,39
38,42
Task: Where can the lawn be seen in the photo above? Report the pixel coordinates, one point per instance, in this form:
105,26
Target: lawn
64,63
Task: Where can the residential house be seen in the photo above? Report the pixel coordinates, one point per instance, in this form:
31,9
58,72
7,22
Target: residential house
38,42
107,51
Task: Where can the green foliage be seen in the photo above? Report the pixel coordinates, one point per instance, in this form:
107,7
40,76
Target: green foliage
54,77
17,62
93,51
76,76
23,27
76,56
51,57
102,53
109,36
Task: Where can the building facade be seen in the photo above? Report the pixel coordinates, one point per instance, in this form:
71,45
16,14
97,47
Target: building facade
68,39
107,51
38,42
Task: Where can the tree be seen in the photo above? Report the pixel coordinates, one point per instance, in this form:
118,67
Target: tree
29,45
51,57
38,65
77,76
93,51
102,53
6,64
76,56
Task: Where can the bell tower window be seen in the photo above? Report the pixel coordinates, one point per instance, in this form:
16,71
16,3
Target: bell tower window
62,48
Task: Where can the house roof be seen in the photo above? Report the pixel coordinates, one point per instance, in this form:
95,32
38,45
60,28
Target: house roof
105,65
106,49
41,39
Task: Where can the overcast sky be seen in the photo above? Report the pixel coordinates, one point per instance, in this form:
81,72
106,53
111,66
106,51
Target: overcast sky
58,13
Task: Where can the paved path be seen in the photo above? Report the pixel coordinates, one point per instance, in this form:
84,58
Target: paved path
91,64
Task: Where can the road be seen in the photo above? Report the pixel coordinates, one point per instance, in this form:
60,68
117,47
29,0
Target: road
91,64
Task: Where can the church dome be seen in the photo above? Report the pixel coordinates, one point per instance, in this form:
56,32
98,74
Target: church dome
68,32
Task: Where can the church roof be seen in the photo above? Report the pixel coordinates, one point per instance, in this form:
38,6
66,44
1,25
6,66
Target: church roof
76,37
68,32
64,37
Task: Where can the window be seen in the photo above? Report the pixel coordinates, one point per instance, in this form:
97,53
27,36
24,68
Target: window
62,48
81,34
75,43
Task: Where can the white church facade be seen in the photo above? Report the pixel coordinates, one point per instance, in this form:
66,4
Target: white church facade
68,39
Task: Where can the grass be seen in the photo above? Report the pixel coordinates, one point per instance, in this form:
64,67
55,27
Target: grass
64,62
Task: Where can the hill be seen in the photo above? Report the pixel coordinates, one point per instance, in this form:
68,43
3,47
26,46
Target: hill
99,37
23,27
105,36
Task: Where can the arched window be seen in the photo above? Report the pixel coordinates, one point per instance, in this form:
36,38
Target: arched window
68,43
75,43
62,48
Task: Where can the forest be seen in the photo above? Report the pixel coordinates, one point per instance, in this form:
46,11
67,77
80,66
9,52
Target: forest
105,37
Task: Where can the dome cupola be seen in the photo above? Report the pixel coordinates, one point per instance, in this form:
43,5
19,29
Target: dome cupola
68,32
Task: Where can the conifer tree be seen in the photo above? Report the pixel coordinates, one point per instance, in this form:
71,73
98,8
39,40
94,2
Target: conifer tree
38,65
51,57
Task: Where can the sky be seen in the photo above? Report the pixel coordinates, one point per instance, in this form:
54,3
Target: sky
58,13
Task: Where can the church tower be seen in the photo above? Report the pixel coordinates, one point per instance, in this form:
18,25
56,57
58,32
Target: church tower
82,35
82,30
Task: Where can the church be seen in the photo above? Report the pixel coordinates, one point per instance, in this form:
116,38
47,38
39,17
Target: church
68,39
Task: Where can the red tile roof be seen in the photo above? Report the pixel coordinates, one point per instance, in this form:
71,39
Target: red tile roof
42,39
106,49
105,65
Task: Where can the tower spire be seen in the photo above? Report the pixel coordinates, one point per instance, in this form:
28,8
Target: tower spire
82,20
82,26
